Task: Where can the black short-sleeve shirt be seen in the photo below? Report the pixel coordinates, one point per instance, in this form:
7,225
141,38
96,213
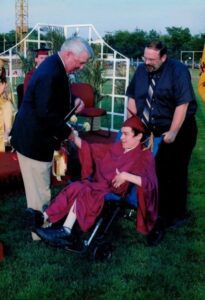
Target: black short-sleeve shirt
173,88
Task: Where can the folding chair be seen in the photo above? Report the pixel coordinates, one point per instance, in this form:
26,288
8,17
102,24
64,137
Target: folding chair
86,93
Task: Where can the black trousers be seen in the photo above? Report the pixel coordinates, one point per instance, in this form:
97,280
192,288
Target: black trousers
172,163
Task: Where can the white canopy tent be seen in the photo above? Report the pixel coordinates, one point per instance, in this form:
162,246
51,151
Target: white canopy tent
115,65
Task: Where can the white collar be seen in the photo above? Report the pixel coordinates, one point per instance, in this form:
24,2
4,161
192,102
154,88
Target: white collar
127,150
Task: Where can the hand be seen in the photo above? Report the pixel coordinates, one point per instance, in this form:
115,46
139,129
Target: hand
81,104
119,179
169,136
72,135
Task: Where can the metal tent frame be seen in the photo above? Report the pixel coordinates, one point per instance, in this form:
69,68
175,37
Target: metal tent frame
115,65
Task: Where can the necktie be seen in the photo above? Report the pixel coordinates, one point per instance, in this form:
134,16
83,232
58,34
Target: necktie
148,102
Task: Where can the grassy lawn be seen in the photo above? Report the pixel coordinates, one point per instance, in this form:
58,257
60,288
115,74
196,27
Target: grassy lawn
173,270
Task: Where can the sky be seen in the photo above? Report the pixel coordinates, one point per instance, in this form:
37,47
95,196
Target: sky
110,15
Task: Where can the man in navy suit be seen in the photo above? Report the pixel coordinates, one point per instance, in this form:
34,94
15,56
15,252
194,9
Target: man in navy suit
39,126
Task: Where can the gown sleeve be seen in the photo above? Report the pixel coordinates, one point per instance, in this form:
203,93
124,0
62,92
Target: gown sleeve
89,154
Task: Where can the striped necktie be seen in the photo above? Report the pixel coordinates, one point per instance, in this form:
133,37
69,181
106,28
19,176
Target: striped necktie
148,102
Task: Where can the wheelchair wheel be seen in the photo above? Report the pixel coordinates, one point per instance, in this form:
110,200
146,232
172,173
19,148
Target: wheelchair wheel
102,252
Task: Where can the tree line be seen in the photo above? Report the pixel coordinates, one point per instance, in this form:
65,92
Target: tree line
132,44
177,39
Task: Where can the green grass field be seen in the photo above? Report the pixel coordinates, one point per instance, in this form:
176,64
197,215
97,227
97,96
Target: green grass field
173,270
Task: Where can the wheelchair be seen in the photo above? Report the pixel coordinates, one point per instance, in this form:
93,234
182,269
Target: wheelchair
95,242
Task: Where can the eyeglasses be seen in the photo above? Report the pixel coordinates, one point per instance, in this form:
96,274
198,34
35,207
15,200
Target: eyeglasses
150,59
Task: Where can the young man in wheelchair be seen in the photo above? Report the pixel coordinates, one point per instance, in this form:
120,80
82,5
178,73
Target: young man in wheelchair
112,167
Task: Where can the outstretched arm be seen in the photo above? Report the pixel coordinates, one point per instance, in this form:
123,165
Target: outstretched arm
132,107
77,140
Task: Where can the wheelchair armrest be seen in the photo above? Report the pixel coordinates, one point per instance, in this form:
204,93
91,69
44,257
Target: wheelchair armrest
130,197
112,197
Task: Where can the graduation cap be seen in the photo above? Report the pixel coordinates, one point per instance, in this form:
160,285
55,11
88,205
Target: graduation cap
3,61
134,122
41,51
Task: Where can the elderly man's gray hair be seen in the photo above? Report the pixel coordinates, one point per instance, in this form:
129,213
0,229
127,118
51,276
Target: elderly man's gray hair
77,45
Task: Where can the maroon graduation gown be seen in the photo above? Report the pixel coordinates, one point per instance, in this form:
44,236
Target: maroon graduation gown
89,196
27,78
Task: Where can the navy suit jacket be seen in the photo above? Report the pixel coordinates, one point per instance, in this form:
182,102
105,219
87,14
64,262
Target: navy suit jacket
41,116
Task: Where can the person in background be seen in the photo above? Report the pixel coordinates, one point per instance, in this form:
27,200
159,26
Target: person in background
40,125
161,94
41,55
6,108
115,166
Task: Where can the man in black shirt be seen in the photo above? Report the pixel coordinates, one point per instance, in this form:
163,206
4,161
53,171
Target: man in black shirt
161,94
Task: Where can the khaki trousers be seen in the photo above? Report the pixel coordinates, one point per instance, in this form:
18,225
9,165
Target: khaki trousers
37,178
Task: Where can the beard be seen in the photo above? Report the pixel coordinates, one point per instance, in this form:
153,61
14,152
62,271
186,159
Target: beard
151,68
